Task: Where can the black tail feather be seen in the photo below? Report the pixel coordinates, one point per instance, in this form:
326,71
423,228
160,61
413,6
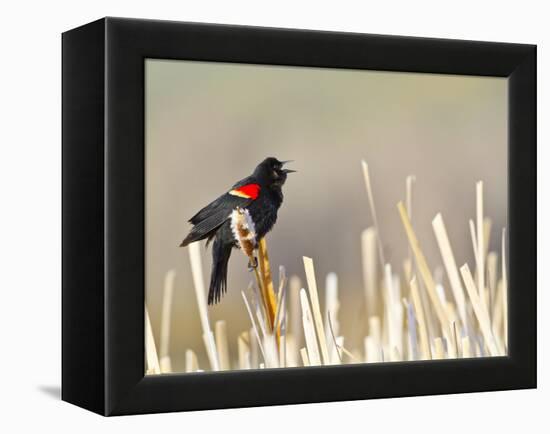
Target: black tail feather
218,279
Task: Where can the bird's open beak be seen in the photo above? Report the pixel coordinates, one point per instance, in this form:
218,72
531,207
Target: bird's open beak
287,170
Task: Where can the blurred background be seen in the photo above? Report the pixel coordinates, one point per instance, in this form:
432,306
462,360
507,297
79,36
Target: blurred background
209,124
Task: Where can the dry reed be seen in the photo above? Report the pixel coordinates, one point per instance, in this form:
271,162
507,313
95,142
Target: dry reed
412,316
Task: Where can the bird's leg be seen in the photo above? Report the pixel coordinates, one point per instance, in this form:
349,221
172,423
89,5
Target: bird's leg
252,258
252,263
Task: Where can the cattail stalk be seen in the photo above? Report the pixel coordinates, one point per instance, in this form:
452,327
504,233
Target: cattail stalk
314,357
318,319
221,344
370,196
424,270
450,265
200,291
191,361
370,270
151,356
479,309
165,361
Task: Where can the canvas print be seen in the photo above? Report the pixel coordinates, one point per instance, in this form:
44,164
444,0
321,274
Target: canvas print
301,216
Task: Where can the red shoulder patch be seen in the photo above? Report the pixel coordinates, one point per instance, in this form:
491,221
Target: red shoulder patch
248,191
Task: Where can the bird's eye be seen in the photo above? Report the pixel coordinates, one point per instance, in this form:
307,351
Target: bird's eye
275,174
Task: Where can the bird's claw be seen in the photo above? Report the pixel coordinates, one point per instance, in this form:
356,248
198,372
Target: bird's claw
252,263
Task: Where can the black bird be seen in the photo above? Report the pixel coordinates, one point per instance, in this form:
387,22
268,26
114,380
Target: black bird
239,218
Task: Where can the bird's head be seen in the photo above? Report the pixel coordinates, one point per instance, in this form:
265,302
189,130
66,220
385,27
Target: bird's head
271,172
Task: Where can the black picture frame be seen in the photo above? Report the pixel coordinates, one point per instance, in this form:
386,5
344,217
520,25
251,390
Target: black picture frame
103,216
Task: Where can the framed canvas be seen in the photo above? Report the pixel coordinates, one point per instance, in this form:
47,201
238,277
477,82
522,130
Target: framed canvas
394,256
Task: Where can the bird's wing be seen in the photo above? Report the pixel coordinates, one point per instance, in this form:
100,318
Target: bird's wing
240,195
206,227
246,181
225,203
212,216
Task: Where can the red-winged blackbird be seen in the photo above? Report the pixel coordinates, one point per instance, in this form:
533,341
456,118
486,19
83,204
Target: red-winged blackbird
239,218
